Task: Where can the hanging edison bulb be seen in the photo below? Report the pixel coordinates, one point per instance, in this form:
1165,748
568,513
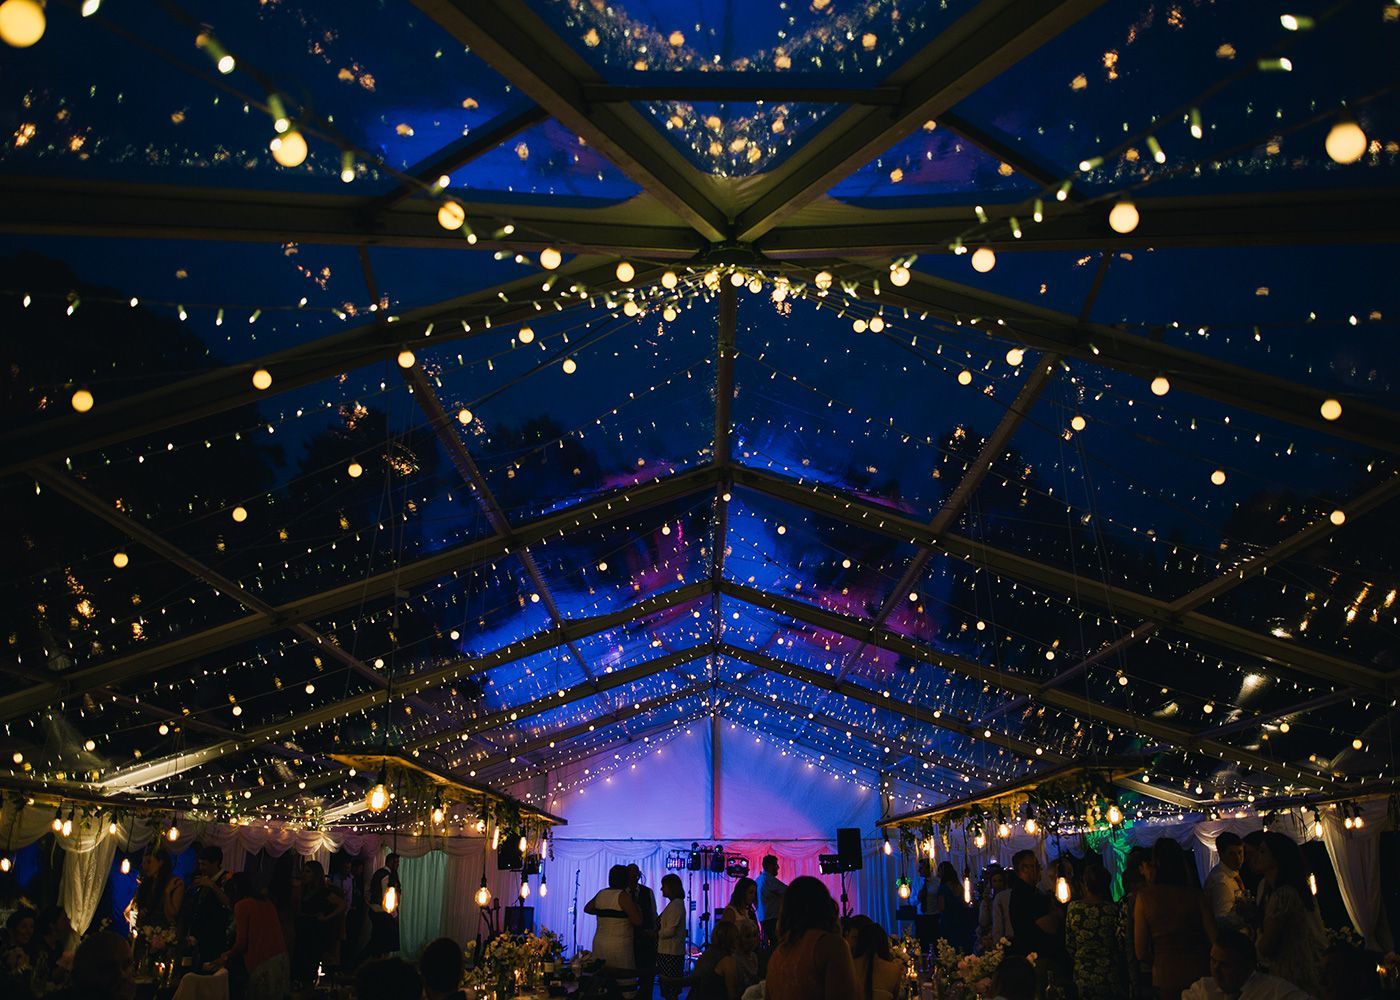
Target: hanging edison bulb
483,894
902,887
1115,815
524,843
391,899
437,814
1123,217
524,888
967,887
887,848
173,834
544,886
126,866
979,841
1031,825
1062,889
5,863
57,823
496,838
378,798
1003,830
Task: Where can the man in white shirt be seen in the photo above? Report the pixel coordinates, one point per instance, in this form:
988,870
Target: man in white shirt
1224,886
1233,975
770,899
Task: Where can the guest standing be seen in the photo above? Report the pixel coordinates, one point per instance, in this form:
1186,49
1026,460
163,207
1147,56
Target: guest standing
644,937
1001,907
102,970
618,918
716,974
1172,923
741,903
954,912
160,893
1091,938
1137,872
319,921
770,899
383,923
670,937
811,961
1037,922
258,941
209,912
1291,936
1224,887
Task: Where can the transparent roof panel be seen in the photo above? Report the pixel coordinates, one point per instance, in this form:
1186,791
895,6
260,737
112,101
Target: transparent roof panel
545,159
148,104
630,38
1316,315
1050,280
1097,89
737,139
935,165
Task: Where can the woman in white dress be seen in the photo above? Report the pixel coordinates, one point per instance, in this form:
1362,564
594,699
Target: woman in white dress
618,916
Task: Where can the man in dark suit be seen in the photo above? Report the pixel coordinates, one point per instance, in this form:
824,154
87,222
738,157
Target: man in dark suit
644,937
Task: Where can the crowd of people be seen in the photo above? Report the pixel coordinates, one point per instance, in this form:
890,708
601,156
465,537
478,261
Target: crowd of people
1252,930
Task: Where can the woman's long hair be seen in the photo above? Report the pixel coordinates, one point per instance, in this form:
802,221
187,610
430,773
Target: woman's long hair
871,942
1292,869
741,892
947,873
150,892
1169,862
807,905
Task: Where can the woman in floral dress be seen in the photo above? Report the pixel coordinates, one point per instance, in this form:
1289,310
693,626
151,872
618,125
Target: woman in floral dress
1091,938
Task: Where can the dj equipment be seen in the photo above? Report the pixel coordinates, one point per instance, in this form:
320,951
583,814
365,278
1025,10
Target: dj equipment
520,919
736,867
678,861
530,865
832,864
848,848
508,858
709,858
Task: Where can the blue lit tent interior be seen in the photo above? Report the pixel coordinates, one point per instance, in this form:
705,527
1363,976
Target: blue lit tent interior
627,426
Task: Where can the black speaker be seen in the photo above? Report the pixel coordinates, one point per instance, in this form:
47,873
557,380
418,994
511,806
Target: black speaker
530,865
520,919
508,857
848,848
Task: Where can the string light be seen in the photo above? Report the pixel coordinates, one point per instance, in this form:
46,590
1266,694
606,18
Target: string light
550,258
1123,217
22,22
1331,409
525,335
983,259
355,470
451,216
1160,386
406,358
625,271
120,560
262,379
82,400
289,149
1345,142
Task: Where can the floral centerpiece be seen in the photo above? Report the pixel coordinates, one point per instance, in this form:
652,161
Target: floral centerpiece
513,960
968,975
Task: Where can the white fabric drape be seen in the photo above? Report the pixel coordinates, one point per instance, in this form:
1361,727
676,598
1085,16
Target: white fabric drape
83,881
1356,857
420,915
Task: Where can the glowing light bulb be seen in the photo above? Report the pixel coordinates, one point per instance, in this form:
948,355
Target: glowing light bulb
464,416
1312,883
1345,142
903,889
1338,517
289,149
1317,829
378,798
544,887
1003,831
524,844
451,216
5,863
239,514
112,827
1078,422
82,400
899,276
1356,744
173,834
1031,825
483,894
979,841
262,379
1160,386
1218,477
526,335
823,280
967,889
525,889
22,22
570,366
1062,889
120,560
496,838
888,848
550,258
1331,409
877,324
964,377
126,866
669,280
1123,217
391,899
437,815
1015,356
1115,815
355,470
406,358
625,271
983,259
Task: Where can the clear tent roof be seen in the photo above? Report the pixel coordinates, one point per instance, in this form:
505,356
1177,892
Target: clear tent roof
937,523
